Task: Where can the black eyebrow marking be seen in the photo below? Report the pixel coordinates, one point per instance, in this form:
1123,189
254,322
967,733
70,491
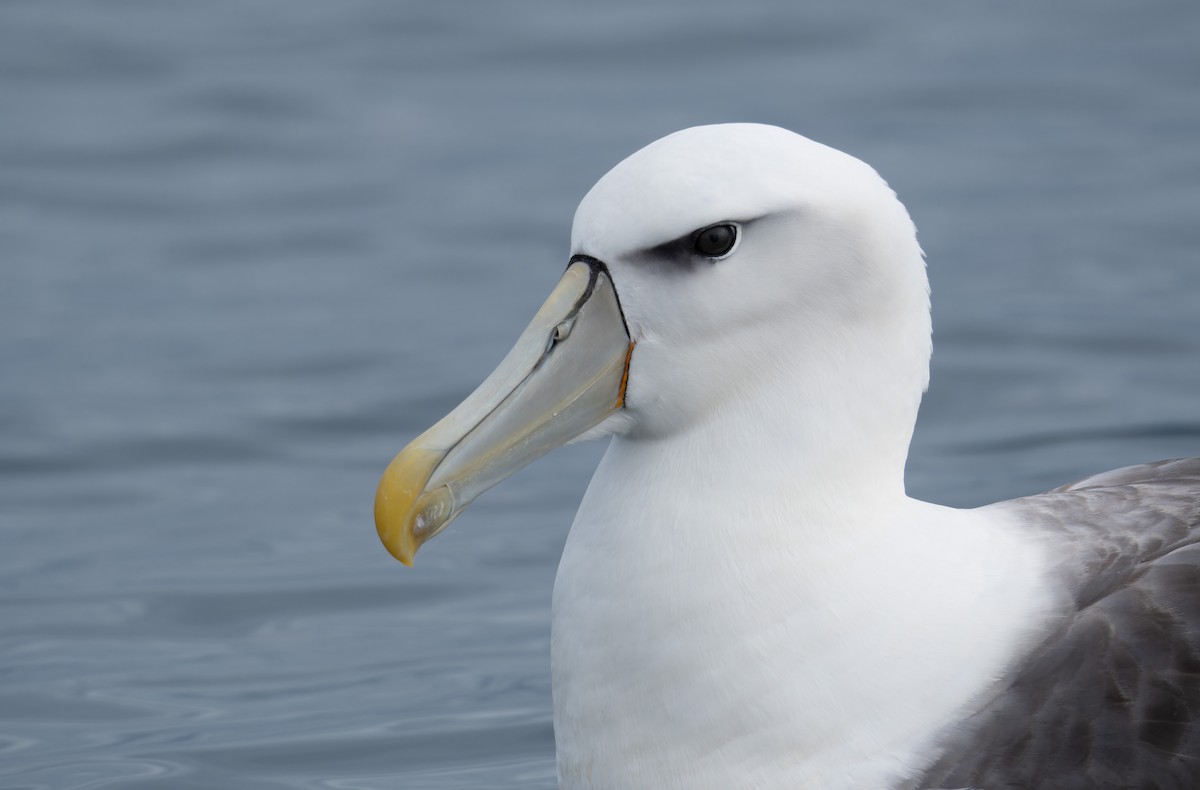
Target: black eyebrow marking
677,253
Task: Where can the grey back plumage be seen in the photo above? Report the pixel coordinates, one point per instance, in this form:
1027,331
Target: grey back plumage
1111,697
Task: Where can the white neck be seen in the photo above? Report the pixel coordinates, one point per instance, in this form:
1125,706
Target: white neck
796,629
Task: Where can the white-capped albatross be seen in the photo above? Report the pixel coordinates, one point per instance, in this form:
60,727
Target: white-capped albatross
748,598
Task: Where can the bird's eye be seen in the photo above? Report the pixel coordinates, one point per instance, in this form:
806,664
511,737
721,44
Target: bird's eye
715,240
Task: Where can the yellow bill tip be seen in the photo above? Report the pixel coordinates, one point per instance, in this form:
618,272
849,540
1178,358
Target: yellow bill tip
405,515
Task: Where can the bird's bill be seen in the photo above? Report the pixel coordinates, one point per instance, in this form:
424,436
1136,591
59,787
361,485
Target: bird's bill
565,375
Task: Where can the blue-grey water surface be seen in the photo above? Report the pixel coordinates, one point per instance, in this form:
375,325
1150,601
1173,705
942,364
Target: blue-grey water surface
249,249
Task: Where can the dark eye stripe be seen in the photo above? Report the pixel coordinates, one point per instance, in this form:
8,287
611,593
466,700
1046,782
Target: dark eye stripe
681,254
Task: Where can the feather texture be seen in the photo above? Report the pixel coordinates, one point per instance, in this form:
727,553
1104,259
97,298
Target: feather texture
1112,698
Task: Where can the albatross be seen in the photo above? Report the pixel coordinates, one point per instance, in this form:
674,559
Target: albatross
747,597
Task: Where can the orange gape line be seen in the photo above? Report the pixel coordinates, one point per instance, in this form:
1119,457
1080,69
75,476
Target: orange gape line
625,375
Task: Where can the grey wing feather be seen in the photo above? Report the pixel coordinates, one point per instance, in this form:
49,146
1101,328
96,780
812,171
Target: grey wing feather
1111,699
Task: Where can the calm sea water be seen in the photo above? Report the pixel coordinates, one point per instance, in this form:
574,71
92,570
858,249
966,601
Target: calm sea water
249,249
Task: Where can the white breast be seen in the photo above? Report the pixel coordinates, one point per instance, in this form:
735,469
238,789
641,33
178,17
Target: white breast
701,641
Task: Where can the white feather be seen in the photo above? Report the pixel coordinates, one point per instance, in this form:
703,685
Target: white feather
747,597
